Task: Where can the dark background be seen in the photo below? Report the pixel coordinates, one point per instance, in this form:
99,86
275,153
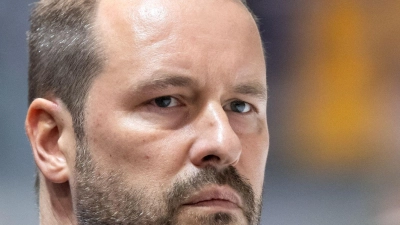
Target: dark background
333,77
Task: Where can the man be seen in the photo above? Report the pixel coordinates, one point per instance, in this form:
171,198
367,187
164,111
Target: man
147,112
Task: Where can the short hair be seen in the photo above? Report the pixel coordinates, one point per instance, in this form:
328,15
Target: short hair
64,55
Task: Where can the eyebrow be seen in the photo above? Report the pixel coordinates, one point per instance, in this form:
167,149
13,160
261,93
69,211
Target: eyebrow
164,82
253,89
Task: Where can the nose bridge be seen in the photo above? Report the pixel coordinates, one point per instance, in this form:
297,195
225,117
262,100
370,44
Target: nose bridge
216,142
218,122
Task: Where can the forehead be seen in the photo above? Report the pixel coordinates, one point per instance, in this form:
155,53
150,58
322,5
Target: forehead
161,13
179,33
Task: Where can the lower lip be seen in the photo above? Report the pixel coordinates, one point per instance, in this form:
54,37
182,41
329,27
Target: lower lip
215,203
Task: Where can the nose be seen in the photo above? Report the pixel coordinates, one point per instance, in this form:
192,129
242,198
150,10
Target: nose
216,143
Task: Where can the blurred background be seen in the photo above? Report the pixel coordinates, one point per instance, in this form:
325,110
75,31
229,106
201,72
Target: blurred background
334,112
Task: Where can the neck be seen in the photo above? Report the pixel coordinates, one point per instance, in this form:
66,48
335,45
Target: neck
55,204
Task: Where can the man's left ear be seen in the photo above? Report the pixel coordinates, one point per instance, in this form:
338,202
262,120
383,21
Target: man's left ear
49,128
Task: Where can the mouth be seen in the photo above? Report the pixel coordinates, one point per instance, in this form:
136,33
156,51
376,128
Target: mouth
222,197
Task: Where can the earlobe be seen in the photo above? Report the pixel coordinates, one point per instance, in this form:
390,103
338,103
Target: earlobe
45,126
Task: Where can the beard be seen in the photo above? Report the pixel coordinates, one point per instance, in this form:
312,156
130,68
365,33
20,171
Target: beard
105,198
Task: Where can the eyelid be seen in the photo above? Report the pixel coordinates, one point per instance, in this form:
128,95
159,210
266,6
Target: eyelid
174,99
228,104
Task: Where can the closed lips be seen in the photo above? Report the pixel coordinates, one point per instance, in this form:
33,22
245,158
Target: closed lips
222,196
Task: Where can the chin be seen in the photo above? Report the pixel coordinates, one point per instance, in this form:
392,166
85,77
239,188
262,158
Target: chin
210,216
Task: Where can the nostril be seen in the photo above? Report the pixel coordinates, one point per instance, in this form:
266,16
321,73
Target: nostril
209,158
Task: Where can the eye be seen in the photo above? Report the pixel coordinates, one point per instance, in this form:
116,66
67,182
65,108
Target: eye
165,102
238,106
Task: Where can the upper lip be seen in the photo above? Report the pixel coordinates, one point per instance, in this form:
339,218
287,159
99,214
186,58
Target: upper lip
224,193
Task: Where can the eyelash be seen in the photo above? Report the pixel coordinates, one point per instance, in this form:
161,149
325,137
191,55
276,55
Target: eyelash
247,108
161,100
164,100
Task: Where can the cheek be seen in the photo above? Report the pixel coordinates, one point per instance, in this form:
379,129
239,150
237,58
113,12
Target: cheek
144,154
253,159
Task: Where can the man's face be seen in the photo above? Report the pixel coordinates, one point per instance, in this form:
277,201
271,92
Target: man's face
175,124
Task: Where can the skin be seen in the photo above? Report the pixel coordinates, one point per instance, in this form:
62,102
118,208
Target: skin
204,55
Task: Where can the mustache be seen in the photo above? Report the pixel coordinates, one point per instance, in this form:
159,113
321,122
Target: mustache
182,190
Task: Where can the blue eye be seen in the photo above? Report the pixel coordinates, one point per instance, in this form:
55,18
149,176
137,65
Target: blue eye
165,102
239,107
